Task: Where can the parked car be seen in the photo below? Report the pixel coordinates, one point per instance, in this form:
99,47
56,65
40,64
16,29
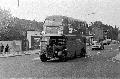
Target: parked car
97,45
87,44
114,42
107,41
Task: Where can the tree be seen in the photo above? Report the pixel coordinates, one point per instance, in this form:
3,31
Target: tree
108,30
65,22
5,17
13,28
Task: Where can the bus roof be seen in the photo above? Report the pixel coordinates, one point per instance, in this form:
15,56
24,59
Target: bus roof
58,35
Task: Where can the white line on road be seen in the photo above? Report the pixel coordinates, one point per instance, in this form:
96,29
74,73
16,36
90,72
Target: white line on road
38,58
98,53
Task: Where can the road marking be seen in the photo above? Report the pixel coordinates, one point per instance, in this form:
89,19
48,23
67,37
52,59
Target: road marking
113,44
117,57
38,58
115,50
98,53
89,55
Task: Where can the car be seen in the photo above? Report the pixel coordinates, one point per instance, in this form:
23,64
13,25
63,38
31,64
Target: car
88,44
107,41
114,42
97,45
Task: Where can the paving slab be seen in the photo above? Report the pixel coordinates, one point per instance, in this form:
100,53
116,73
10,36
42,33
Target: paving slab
13,54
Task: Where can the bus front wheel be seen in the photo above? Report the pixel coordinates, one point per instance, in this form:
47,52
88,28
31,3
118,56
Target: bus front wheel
63,58
83,52
43,58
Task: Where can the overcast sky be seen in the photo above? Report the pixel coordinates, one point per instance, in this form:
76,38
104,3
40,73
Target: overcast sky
107,11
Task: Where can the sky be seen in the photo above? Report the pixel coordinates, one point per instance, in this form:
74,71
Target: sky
107,11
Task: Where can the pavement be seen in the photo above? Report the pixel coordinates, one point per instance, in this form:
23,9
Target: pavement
95,66
20,53
117,57
109,49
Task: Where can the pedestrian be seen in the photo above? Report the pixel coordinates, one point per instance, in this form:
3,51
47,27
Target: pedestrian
6,49
48,49
2,48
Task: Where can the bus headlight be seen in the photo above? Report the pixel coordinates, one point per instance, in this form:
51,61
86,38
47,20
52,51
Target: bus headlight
59,53
65,49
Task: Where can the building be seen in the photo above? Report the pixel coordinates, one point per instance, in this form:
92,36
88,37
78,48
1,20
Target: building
89,37
34,38
118,36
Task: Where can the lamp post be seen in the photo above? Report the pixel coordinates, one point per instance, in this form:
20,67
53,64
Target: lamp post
18,2
93,13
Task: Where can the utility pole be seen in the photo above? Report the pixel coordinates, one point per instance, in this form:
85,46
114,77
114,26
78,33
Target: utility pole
18,3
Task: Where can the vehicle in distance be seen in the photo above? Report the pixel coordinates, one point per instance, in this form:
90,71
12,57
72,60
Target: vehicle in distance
107,41
60,41
97,45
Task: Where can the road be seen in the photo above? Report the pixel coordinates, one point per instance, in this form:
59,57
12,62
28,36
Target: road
98,64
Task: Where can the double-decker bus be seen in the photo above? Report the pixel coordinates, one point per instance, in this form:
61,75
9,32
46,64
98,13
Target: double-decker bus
60,40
